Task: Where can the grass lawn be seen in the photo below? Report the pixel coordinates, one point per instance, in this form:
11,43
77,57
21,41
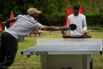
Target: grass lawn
33,62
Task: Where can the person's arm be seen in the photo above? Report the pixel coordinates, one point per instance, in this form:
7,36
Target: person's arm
9,21
54,28
51,28
84,25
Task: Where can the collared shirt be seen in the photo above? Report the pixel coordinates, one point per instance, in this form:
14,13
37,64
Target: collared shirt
24,25
80,21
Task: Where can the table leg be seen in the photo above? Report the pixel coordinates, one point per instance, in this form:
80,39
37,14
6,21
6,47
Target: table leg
86,61
35,35
44,62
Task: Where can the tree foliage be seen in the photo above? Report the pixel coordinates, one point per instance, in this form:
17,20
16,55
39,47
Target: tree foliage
52,10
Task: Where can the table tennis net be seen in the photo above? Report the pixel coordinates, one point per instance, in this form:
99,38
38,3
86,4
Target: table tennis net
61,42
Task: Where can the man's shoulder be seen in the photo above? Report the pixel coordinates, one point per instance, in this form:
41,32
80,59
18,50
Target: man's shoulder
20,15
82,15
26,16
70,16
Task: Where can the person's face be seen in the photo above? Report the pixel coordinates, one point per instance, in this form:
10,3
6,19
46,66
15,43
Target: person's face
76,11
35,15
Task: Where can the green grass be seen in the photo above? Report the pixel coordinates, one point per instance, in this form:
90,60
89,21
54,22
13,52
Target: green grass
33,62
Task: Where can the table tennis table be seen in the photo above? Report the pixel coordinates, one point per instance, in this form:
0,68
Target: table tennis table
65,53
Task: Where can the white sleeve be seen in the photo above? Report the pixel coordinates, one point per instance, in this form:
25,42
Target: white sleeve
84,24
38,25
68,22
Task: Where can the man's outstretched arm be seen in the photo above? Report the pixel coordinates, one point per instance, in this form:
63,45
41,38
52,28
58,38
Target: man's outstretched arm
54,28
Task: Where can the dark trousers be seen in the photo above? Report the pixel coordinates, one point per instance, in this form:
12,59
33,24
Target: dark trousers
8,49
77,37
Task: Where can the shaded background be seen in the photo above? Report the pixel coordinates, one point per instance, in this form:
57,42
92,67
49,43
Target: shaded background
53,11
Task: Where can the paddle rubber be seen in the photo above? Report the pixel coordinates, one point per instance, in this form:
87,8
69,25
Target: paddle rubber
62,32
72,26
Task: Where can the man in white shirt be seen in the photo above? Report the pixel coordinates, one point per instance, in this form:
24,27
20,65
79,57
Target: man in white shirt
80,21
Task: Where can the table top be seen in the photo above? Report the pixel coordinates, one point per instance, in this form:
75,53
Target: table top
65,47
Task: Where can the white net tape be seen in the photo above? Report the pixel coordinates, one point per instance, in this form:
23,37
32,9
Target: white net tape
61,41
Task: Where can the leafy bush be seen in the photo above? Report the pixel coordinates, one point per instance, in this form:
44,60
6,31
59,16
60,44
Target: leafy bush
95,20
92,20
101,11
53,11
95,28
1,18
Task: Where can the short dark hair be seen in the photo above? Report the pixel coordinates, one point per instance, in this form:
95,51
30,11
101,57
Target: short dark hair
76,7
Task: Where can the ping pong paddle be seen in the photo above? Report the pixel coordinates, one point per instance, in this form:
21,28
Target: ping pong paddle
72,27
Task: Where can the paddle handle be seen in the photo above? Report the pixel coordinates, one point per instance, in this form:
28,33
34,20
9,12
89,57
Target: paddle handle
62,32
